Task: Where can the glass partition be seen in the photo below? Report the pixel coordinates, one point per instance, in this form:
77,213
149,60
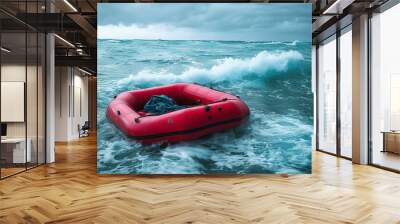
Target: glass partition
327,95
14,153
41,96
346,92
385,89
22,77
32,95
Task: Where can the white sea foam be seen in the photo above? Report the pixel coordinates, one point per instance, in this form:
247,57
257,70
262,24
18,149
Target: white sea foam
227,69
271,43
293,43
179,158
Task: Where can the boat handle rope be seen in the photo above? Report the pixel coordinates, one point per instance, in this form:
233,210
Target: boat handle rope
206,107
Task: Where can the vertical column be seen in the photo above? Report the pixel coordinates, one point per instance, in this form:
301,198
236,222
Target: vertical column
338,77
50,92
360,89
92,89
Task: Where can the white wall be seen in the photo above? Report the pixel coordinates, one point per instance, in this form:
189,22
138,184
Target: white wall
79,117
16,73
33,126
62,81
70,83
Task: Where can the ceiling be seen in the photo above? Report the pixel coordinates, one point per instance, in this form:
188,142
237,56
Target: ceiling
73,21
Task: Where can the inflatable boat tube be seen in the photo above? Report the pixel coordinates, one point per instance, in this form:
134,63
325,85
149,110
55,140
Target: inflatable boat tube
207,111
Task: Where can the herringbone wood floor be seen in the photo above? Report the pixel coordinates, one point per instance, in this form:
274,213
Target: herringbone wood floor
70,191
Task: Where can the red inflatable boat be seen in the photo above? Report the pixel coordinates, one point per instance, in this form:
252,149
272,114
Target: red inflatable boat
207,111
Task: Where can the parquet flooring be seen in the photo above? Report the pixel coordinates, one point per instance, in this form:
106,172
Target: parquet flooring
70,191
10,171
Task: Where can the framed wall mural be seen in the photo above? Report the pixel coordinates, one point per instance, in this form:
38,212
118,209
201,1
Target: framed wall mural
204,88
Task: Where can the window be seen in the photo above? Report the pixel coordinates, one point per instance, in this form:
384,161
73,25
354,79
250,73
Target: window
346,92
385,89
327,95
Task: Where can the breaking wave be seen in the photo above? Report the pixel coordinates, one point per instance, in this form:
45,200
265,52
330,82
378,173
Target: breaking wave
227,69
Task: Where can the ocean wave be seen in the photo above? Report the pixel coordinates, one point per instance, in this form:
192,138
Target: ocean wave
271,43
293,43
177,159
227,69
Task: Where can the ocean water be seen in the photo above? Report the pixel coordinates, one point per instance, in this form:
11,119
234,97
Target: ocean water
273,78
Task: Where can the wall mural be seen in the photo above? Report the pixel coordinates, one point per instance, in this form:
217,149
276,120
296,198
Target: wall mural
204,88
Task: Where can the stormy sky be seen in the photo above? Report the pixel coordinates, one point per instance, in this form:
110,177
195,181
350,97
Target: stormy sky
246,22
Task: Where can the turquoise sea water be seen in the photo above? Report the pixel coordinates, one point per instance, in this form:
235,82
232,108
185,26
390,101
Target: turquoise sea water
273,78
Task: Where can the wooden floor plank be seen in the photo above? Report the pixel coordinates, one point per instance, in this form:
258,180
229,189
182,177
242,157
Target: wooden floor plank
70,191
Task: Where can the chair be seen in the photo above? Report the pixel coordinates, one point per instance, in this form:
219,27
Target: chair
84,130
